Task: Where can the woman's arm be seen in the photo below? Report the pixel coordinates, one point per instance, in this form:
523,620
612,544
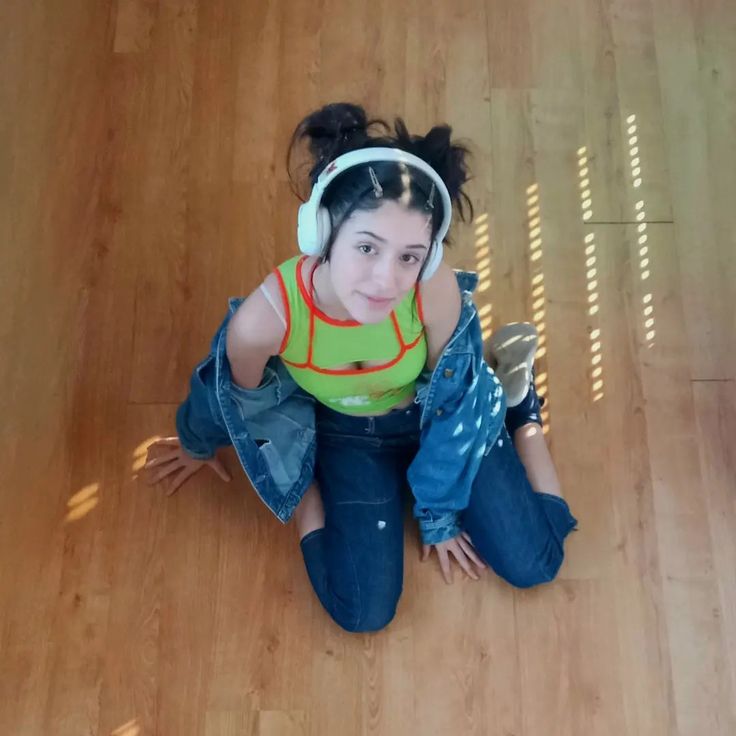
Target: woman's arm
251,336
435,509
441,304
254,334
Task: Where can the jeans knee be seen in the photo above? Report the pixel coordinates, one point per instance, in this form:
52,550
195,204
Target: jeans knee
528,574
527,579
369,626
378,617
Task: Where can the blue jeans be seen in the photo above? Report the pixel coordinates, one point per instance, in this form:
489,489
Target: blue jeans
356,562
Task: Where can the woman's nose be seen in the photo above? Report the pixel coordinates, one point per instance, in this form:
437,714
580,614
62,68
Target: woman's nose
384,276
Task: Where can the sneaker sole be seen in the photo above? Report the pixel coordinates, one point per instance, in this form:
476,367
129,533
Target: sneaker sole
514,347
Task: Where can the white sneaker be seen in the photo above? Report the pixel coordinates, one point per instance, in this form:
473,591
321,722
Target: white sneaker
513,347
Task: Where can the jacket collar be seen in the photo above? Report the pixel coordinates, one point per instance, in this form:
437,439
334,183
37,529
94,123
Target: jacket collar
467,280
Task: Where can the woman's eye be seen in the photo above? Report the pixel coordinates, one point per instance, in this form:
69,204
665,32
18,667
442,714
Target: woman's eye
365,248
409,258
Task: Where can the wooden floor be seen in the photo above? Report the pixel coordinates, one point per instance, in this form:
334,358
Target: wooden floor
142,182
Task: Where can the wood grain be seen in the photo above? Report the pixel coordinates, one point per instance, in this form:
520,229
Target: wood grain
143,182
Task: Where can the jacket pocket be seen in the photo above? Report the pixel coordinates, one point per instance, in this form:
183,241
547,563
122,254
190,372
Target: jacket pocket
454,382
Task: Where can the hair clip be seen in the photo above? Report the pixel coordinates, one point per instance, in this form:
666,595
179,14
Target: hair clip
429,205
377,188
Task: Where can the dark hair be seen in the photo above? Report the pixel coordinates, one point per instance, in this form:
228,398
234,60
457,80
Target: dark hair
341,127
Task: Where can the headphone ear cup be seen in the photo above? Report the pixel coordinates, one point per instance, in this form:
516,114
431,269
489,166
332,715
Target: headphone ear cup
323,229
433,261
306,229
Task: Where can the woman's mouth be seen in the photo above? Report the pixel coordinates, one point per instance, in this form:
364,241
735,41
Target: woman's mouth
377,302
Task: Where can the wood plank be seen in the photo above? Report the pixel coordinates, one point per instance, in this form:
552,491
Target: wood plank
644,160
643,644
690,588
561,682
715,407
699,96
129,692
560,308
167,281
142,182
508,288
54,592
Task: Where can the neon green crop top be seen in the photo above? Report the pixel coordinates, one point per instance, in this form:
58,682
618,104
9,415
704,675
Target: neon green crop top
314,343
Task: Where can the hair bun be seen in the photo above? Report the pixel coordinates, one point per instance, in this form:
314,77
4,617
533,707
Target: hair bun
332,125
446,158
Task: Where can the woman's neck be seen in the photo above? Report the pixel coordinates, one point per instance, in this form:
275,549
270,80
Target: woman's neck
324,294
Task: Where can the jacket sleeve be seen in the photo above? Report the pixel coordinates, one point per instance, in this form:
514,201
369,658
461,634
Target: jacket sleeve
199,422
438,474
466,412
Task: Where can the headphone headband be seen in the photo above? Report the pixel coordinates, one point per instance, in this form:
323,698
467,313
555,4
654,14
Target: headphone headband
313,227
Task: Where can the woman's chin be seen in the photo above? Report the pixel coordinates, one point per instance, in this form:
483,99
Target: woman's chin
368,315
370,311
361,316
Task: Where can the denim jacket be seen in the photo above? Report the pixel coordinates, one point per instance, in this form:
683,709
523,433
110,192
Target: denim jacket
272,427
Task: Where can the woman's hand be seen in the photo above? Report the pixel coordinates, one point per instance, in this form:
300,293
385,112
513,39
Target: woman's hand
166,457
461,548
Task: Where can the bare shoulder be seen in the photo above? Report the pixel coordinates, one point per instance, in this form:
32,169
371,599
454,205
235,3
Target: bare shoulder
441,299
256,324
441,307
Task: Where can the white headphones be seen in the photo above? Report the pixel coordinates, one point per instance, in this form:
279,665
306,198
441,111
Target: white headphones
313,222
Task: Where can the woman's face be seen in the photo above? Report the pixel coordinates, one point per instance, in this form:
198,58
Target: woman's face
376,258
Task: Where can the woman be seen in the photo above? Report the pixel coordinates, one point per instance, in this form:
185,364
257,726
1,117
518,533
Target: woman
357,369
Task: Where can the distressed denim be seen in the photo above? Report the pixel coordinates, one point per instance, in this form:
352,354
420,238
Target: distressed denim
355,563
